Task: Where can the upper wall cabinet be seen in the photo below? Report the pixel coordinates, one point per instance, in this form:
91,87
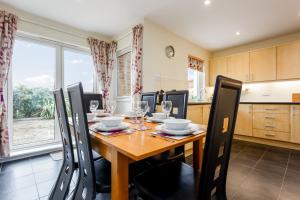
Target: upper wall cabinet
263,64
288,61
238,66
218,66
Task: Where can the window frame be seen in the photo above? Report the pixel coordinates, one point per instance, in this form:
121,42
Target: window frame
198,77
58,83
120,53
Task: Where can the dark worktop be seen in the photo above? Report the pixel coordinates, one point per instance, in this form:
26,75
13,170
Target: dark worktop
279,103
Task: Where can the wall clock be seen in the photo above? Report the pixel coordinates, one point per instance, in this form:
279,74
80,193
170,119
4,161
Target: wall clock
170,51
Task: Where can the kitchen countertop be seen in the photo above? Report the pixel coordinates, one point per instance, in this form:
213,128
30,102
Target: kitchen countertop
284,103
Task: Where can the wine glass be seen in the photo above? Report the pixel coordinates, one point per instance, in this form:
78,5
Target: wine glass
94,105
166,107
144,108
111,106
136,110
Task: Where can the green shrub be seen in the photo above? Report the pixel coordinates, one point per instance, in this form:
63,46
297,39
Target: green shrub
32,102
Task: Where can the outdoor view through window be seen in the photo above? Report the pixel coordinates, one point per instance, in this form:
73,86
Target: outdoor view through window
33,73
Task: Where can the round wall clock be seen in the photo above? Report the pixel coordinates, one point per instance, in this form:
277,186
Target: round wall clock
170,51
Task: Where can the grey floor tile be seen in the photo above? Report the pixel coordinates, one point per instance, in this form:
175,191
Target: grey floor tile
271,166
46,175
44,188
24,181
28,193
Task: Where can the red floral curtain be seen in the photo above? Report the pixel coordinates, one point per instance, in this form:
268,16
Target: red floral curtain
195,63
8,29
104,57
136,63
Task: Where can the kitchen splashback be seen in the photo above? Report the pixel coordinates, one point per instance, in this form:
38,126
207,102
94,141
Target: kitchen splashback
279,91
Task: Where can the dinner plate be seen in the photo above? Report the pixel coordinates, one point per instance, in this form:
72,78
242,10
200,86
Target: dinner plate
103,114
102,127
156,120
95,119
128,116
192,128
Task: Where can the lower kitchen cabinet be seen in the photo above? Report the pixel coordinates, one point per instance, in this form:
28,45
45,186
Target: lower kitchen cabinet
273,135
244,120
195,113
295,124
206,112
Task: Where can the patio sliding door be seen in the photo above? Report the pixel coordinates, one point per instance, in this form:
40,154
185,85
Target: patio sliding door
33,80
38,67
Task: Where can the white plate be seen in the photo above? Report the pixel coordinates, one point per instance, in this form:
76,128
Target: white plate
190,130
102,127
95,119
103,114
130,116
156,120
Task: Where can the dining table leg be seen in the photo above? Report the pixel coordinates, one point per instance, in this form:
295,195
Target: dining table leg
198,154
119,176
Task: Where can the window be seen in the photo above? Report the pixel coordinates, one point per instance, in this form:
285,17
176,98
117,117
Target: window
33,78
196,78
124,74
37,69
78,67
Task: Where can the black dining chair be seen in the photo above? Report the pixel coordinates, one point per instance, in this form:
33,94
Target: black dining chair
179,102
151,97
179,110
177,180
62,184
88,182
88,97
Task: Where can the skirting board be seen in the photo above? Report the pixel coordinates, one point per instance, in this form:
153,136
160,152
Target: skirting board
275,143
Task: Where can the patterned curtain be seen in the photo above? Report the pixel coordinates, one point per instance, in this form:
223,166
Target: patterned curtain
195,63
104,57
8,29
136,63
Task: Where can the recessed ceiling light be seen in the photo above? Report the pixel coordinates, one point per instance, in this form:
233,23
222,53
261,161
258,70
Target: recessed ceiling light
237,33
207,2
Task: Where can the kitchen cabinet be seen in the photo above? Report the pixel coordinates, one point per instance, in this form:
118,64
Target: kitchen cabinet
272,122
263,64
218,66
238,66
194,113
244,120
206,112
295,124
288,61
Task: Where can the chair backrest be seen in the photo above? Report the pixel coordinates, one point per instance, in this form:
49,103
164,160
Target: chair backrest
179,103
62,184
219,136
88,97
151,97
85,187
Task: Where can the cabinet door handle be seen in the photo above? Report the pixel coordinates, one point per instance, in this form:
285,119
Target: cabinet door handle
270,134
269,117
269,127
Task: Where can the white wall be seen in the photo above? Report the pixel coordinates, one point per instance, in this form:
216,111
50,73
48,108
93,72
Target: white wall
280,91
160,72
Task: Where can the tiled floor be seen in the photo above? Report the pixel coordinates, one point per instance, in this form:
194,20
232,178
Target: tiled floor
256,172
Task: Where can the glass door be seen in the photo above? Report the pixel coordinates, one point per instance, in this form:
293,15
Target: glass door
33,79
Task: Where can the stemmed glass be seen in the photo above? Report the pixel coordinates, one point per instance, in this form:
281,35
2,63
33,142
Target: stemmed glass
94,105
136,109
166,107
143,108
111,106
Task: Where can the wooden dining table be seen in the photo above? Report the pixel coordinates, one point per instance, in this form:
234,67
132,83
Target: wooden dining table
128,147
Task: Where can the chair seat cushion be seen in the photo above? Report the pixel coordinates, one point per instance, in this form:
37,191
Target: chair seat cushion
96,156
173,180
103,175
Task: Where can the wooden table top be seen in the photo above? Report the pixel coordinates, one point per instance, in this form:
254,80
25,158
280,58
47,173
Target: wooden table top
142,144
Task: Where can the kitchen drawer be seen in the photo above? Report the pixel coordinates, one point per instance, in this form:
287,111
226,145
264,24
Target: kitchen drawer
272,122
273,135
272,108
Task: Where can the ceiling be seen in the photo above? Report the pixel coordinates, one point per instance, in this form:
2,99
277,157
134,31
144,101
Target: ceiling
212,27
